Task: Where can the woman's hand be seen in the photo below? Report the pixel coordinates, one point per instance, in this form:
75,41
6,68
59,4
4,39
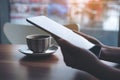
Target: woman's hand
107,52
76,57
83,59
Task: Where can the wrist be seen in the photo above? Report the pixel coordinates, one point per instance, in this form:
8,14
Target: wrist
96,50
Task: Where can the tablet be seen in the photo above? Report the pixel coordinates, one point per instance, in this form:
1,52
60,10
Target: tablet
60,31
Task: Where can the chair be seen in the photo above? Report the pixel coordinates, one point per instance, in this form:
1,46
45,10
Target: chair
17,33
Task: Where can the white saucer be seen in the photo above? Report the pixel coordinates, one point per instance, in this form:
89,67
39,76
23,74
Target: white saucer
48,52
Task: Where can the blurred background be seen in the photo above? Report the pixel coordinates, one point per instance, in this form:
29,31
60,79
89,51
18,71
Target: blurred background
98,18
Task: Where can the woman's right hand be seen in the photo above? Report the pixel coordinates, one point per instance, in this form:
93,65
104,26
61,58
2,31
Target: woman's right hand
85,60
77,57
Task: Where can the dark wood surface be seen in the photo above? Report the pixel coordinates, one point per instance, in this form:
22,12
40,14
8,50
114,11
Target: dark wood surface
16,66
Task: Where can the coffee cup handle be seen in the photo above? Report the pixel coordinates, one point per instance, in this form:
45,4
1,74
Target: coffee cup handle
53,42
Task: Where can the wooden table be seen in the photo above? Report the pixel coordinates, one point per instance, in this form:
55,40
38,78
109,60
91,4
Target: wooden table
16,66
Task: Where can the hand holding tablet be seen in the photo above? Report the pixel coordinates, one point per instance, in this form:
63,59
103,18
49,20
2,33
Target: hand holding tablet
60,31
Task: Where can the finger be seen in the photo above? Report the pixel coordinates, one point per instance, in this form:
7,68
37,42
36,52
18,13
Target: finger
67,57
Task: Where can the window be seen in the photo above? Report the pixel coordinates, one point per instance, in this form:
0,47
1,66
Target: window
99,18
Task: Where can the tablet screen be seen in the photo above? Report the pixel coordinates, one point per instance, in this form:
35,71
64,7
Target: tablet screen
61,31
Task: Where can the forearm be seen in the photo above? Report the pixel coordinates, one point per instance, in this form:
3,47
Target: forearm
104,72
110,54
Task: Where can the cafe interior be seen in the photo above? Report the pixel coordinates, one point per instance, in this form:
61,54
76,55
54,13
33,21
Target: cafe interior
97,18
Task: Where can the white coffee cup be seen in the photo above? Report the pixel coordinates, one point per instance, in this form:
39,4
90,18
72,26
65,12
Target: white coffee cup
38,43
